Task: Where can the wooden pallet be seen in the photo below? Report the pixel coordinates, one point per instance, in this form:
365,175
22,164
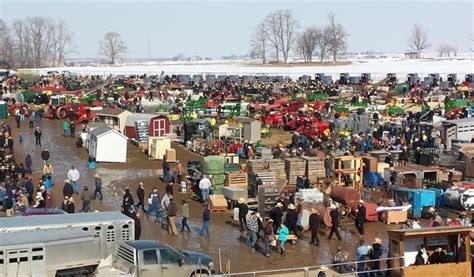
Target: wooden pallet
267,177
294,167
314,168
236,179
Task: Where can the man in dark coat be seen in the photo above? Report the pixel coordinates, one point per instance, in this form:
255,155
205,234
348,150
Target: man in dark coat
141,196
38,135
45,155
127,201
276,215
68,190
138,225
291,219
335,222
243,210
314,223
360,217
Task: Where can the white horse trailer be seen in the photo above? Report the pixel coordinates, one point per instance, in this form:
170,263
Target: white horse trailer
49,252
109,227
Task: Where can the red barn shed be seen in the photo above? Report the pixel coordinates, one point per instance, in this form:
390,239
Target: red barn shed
159,126
149,125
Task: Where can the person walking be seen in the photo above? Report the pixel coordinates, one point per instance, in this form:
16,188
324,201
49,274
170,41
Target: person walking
28,164
252,225
360,217
127,202
98,186
206,218
205,185
31,118
38,135
314,223
282,238
166,171
72,128
65,128
68,190
48,170
291,219
154,201
141,196
171,214
74,175
375,254
243,210
268,237
45,155
335,222
179,172
86,197
361,254
184,215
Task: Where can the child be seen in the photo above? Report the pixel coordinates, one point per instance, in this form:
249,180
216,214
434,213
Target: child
282,238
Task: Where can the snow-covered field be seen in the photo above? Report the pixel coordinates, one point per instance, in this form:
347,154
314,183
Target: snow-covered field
377,67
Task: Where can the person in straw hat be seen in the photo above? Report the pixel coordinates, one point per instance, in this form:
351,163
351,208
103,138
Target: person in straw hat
375,253
291,219
277,214
314,223
98,186
335,222
360,217
322,271
243,210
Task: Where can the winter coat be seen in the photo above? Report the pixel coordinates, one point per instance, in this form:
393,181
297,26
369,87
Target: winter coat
283,233
68,190
314,222
171,210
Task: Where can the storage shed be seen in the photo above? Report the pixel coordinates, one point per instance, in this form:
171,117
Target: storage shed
114,118
252,128
155,126
108,145
203,127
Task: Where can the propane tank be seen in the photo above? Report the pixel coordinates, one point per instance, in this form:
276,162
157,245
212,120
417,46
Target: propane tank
459,198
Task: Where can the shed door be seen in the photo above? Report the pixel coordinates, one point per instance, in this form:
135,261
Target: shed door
159,127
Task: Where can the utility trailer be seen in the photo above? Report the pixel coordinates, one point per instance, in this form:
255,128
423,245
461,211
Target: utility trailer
49,252
109,227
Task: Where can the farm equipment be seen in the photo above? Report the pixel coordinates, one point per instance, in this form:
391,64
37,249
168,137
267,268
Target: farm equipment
373,180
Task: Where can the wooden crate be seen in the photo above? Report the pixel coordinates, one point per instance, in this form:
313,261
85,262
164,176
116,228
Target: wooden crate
294,167
217,203
267,177
171,155
314,168
236,179
389,217
277,166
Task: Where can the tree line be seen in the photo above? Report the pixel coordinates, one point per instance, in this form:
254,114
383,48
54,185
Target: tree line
36,42
277,35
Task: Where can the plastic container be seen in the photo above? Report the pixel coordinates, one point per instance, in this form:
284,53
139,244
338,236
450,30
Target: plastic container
345,196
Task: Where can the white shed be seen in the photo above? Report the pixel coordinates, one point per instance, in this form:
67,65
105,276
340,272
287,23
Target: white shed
108,145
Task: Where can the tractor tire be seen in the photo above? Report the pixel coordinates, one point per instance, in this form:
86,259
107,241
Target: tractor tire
61,113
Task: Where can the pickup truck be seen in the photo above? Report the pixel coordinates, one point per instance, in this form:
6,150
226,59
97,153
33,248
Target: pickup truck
148,258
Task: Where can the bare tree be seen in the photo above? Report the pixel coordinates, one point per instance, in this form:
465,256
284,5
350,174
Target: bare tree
272,28
322,41
61,37
112,47
39,32
259,42
281,29
418,40
306,43
6,44
337,37
471,42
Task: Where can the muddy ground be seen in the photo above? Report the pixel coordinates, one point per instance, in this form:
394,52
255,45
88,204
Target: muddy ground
225,235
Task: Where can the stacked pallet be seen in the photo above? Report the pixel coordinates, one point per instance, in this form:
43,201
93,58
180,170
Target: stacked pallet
278,167
314,168
236,179
257,165
267,177
294,167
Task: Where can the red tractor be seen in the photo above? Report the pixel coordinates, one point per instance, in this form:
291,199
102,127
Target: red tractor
273,119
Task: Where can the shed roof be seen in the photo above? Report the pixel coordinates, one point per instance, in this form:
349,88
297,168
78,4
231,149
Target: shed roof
134,117
242,119
102,130
111,111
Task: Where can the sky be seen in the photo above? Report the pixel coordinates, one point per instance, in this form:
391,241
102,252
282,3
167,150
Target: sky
218,28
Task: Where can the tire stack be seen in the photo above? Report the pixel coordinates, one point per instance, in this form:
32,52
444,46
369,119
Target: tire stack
214,165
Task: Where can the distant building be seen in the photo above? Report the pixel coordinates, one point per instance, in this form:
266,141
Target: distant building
412,55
